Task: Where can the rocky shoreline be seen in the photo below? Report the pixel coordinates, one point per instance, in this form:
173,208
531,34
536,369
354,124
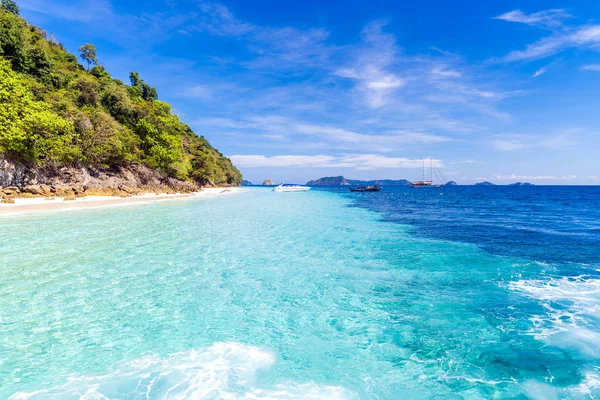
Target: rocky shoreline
19,180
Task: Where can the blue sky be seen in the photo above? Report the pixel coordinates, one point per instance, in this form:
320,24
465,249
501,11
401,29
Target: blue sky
501,91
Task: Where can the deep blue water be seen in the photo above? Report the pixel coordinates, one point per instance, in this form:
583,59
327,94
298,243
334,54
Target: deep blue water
559,224
458,293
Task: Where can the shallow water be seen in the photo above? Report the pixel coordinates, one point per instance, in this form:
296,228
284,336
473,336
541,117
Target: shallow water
313,295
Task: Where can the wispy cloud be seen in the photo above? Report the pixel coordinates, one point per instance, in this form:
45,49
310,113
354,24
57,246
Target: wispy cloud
562,38
335,137
591,67
371,65
549,18
557,141
77,10
582,37
355,161
540,71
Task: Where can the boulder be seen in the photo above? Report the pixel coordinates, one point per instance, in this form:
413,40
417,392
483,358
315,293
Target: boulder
37,190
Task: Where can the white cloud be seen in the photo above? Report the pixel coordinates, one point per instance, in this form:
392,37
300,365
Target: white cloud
76,10
200,91
591,67
508,144
255,161
371,65
582,37
540,71
557,141
548,18
357,161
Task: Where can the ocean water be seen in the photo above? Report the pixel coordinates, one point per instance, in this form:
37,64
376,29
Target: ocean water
458,293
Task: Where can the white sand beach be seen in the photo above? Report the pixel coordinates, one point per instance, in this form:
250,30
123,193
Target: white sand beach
27,205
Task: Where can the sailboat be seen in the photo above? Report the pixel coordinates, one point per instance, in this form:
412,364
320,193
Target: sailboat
428,183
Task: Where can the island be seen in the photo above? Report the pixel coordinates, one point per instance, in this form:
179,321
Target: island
485,183
268,182
329,181
342,181
76,131
246,183
521,184
451,183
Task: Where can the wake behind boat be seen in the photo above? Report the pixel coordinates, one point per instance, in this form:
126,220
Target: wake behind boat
291,188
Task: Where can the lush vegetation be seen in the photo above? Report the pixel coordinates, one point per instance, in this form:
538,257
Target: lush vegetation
54,110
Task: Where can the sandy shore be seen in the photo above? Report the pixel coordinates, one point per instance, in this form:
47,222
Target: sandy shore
40,204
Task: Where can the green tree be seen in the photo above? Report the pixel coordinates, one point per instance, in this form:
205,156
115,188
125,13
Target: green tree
10,5
88,54
141,88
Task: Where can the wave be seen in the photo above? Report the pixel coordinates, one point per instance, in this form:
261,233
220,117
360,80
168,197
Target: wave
223,371
571,317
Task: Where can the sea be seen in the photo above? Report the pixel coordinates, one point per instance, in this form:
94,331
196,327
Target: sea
450,293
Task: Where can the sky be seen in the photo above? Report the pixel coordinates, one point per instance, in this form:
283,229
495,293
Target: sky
502,91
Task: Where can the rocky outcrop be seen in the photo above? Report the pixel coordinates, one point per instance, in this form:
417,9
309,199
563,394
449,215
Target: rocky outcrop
17,179
268,182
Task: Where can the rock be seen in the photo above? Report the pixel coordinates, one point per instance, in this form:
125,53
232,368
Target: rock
268,182
11,190
37,190
8,200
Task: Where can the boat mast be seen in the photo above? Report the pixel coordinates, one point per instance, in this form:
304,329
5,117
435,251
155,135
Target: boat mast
431,159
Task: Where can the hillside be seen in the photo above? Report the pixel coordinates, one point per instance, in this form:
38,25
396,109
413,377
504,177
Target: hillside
340,180
59,120
329,181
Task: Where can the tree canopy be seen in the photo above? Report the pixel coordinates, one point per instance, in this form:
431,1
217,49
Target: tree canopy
11,6
88,54
54,110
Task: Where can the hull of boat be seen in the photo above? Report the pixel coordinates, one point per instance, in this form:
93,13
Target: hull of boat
291,189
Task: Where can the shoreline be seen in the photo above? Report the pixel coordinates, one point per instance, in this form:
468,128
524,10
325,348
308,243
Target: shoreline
37,204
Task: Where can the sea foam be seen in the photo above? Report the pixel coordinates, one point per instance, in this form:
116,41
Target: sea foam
572,311
223,371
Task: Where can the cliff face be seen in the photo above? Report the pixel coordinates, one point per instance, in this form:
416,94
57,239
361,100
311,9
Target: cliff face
19,179
82,125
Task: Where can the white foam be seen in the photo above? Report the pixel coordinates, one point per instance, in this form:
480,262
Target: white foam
223,371
587,389
572,312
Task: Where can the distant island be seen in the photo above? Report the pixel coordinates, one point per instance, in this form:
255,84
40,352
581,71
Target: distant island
485,183
451,183
521,184
246,183
342,181
76,131
268,182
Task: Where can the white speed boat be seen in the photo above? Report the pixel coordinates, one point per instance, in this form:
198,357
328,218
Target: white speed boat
291,188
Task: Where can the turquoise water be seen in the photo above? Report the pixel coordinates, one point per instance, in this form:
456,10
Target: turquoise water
293,296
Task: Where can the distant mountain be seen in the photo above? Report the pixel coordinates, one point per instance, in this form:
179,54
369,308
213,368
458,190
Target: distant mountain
451,183
329,181
341,181
486,183
246,183
521,184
